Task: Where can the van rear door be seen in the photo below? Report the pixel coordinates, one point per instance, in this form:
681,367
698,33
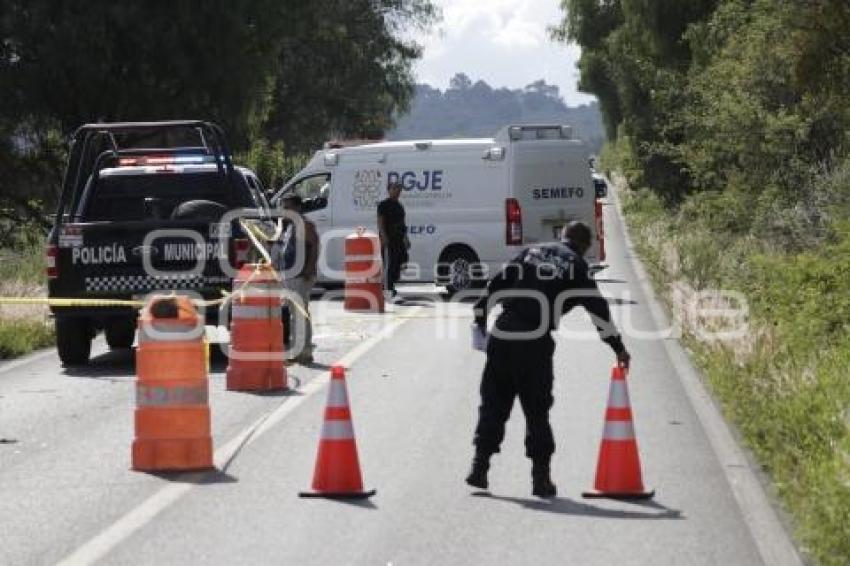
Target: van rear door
551,183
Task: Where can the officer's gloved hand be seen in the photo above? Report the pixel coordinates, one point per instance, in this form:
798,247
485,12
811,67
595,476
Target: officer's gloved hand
479,316
481,322
624,358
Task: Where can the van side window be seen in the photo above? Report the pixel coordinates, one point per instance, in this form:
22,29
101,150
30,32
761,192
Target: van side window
314,191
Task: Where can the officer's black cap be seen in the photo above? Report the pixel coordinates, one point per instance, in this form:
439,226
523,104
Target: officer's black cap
578,233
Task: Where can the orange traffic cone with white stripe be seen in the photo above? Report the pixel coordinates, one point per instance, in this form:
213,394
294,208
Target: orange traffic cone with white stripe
337,473
618,474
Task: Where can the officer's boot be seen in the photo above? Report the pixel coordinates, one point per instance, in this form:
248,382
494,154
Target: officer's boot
478,475
541,483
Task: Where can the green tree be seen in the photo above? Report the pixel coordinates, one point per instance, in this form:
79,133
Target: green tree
635,58
65,63
344,69
288,70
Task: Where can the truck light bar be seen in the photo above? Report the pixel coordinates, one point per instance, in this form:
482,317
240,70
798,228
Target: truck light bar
155,160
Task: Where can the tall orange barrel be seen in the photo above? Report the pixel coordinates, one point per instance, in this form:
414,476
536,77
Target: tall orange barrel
172,420
363,272
256,356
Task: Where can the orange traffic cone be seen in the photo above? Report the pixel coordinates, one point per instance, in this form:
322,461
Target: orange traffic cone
337,473
618,474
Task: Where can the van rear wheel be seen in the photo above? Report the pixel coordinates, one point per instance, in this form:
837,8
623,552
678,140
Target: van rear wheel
460,268
73,340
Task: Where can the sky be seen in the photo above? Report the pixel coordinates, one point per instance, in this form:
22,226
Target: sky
503,42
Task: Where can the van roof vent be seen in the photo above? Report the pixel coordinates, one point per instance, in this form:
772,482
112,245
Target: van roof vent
422,145
341,143
536,132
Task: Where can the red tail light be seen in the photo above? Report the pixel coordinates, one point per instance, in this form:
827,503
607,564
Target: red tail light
241,252
513,222
50,254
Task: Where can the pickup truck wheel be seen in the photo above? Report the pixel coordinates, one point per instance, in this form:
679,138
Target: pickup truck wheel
73,340
120,334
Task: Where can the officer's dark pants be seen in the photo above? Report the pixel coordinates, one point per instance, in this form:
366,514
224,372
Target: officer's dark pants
521,369
394,257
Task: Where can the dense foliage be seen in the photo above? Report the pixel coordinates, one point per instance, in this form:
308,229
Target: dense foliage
468,109
729,119
293,72
747,95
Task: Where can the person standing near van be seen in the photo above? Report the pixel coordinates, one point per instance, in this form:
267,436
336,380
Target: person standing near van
543,283
300,283
393,234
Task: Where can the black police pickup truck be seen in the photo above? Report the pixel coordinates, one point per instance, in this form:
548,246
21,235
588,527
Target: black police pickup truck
141,210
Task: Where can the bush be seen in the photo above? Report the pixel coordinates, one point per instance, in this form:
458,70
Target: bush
271,163
24,265
20,336
784,386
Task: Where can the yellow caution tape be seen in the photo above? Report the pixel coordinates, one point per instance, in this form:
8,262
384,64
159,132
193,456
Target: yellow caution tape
57,302
255,233
64,302
67,303
252,232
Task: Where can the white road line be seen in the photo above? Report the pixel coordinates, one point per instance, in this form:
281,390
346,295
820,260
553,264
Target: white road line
99,546
772,540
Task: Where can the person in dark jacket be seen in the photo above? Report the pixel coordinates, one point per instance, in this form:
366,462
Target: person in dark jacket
392,230
540,285
284,256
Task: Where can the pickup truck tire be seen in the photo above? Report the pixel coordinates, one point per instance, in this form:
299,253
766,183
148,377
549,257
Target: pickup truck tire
120,334
73,340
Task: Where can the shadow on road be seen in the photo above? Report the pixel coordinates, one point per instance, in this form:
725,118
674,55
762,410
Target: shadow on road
117,365
318,366
608,280
619,301
110,366
362,503
197,478
415,301
566,506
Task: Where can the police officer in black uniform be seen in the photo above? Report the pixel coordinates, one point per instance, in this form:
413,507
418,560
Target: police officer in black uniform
539,286
392,230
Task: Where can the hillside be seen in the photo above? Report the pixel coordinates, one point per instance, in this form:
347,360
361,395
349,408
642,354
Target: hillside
468,109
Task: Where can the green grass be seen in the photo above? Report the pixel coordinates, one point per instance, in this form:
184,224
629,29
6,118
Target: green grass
19,336
23,266
23,328
786,386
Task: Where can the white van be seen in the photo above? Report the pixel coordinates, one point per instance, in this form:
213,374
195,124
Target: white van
471,204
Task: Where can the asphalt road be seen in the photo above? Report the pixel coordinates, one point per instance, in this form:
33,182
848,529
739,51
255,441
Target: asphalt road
66,491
